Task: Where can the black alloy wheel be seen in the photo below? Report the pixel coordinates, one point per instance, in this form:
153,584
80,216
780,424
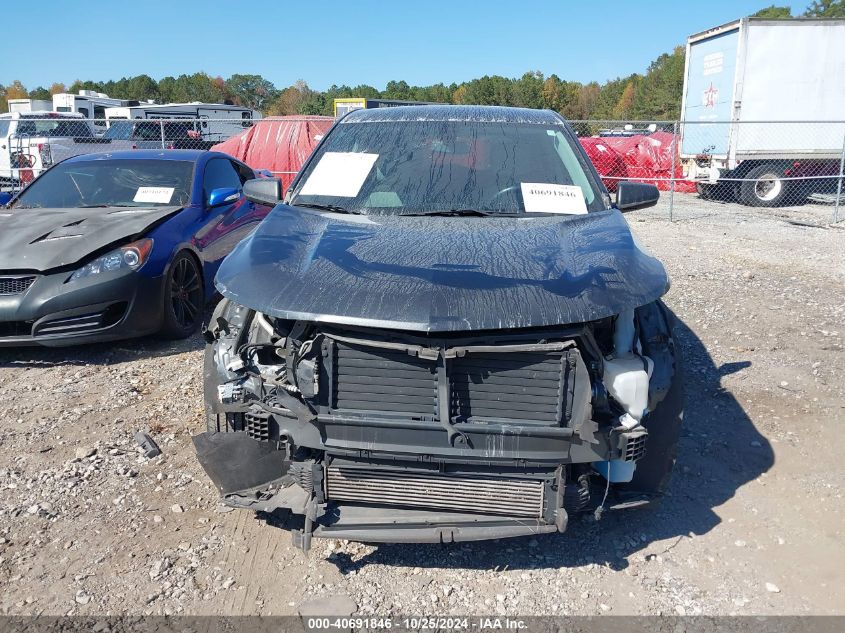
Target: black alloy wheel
184,298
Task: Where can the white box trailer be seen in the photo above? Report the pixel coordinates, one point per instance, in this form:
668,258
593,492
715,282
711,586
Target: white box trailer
30,105
763,101
216,121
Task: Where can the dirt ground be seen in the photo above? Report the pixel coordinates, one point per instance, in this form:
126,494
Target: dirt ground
753,524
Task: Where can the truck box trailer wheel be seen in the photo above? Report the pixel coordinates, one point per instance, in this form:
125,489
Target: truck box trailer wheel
764,186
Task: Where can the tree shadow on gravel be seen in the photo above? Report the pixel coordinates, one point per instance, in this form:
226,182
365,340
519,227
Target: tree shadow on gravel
719,451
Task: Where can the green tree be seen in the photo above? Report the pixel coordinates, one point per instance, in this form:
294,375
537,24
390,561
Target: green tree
78,85
570,99
40,93
585,106
397,90
186,88
141,87
487,90
826,9
625,105
252,91
286,103
773,12
527,91
608,98
316,103
658,95
166,89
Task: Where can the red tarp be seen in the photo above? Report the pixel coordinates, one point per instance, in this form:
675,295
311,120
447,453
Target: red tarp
279,144
607,161
645,158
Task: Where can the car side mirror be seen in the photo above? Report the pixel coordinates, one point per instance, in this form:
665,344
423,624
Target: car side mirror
223,195
264,191
635,195
5,198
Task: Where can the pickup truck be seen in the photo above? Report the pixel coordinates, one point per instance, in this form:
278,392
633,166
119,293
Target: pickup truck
31,142
156,134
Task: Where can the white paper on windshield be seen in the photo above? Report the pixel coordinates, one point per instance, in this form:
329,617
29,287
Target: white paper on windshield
161,195
542,197
339,174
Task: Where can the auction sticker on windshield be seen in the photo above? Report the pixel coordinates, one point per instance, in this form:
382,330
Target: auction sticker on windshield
154,194
541,197
340,174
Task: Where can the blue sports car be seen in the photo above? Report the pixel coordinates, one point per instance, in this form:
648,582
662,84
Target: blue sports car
112,246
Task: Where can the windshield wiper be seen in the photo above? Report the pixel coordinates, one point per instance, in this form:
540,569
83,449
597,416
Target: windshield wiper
326,207
460,212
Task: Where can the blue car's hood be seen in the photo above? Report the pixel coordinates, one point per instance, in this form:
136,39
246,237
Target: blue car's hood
441,274
44,239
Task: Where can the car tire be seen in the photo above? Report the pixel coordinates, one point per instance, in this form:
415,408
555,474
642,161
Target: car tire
654,470
764,186
705,191
184,298
719,192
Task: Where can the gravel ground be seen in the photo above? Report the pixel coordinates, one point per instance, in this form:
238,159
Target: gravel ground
753,524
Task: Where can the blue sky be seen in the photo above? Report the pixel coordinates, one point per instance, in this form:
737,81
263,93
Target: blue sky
354,41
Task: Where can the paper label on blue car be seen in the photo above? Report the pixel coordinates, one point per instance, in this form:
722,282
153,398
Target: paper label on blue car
160,195
339,174
540,197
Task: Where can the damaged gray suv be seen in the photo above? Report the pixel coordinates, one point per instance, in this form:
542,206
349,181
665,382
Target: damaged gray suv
445,332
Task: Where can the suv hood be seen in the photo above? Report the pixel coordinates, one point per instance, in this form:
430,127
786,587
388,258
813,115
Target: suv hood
43,239
441,274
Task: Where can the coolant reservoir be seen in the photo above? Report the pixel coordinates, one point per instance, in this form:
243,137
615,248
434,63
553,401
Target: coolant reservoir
626,375
626,379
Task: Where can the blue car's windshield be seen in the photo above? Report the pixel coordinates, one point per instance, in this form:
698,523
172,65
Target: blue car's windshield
423,167
106,183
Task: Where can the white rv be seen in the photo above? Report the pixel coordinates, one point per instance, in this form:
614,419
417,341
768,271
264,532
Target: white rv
92,105
216,121
30,105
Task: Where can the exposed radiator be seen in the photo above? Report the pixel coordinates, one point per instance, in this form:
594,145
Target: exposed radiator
386,381
526,387
392,487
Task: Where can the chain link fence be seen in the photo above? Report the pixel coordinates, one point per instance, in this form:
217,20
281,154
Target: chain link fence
794,168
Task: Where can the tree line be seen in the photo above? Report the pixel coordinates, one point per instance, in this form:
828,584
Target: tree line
653,95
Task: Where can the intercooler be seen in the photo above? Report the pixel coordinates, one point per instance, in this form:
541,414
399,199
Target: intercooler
501,496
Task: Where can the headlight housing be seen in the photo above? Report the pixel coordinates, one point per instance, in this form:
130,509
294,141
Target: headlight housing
131,256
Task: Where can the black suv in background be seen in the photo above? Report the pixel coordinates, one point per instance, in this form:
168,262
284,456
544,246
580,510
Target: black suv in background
156,134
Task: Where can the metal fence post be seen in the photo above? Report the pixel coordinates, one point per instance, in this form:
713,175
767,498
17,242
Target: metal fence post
675,150
839,183
161,127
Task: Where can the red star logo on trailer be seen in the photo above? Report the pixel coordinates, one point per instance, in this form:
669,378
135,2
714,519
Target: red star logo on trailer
710,96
